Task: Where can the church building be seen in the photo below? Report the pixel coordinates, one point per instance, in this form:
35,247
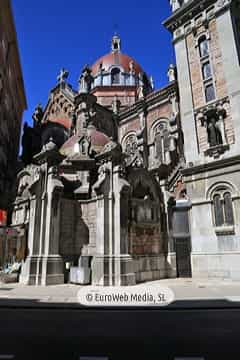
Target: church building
123,183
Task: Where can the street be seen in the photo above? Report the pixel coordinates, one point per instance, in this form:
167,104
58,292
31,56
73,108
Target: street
62,333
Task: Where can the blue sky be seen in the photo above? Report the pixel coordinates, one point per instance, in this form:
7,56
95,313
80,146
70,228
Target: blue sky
57,33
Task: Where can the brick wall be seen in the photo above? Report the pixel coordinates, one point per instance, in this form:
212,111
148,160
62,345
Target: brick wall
197,81
125,128
161,112
145,239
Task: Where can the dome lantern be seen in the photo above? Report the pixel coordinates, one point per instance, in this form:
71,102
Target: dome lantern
117,75
116,44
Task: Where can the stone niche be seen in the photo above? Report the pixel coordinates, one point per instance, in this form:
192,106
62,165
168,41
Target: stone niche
146,232
213,139
74,232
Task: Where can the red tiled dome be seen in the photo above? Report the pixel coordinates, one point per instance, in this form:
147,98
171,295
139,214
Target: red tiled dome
97,139
116,58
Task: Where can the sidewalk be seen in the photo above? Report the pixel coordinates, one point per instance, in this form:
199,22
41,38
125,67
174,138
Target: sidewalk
188,292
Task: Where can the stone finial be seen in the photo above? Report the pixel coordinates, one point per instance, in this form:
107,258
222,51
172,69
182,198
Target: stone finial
116,105
171,73
152,82
38,114
85,81
140,92
131,67
63,75
175,5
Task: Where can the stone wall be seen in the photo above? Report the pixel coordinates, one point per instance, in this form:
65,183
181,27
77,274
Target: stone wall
89,217
215,252
74,232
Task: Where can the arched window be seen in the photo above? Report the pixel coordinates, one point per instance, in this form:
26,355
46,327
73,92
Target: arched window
130,145
223,208
115,76
228,208
164,143
84,147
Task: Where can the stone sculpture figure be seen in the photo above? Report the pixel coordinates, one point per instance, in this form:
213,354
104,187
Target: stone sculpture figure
214,133
171,73
85,80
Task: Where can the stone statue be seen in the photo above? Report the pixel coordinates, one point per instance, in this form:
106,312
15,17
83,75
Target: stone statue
140,92
85,80
131,67
214,133
171,73
116,104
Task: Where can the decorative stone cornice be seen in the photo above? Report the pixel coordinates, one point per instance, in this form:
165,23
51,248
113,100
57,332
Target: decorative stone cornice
218,164
153,98
187,18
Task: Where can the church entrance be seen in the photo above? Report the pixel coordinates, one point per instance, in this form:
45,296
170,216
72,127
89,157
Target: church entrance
183,258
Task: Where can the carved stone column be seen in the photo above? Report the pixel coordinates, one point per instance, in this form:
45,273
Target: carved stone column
29,267
123,273
52,264
112,265
29,272
101,266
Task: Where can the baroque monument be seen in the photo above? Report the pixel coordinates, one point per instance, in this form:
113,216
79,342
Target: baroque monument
126,183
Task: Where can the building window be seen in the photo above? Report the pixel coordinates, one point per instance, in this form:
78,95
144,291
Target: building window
115,76
84,147
218,210
228,209
203,47
209,92
130,146
204,53
223,208
206,70
164,144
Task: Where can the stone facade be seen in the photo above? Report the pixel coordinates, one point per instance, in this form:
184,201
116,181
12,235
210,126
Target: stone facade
12,104
207,53
131,184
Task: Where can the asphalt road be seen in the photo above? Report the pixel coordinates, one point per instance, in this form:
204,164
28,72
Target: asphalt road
120,334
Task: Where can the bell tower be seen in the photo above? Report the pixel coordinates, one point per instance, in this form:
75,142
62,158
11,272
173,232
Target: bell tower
206,38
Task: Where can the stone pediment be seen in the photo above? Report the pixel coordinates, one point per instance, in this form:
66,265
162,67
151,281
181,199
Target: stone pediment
60,107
